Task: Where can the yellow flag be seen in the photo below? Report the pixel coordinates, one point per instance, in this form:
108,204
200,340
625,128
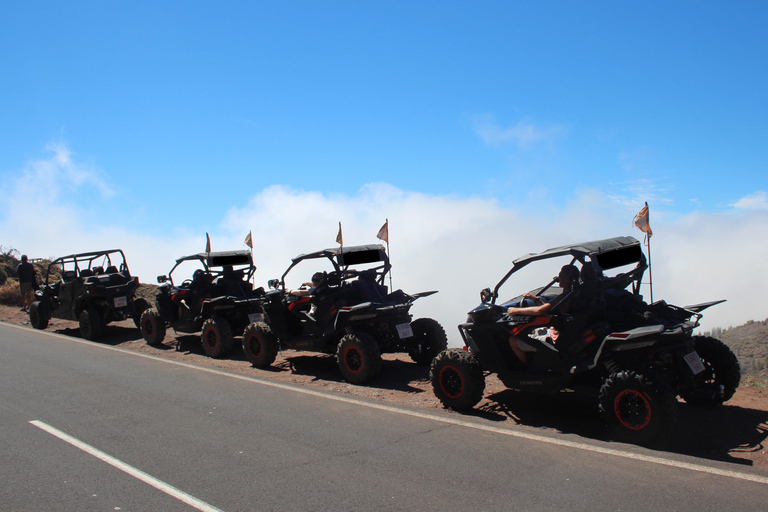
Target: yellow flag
249,240
339,238
642,223
207,243
383,233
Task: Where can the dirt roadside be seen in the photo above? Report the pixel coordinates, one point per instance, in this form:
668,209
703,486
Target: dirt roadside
735,432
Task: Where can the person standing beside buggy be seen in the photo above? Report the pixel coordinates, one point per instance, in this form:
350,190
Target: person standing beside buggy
567,278
27,282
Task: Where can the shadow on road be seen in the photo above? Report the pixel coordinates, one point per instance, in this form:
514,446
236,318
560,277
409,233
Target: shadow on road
113,334
718,433
395,375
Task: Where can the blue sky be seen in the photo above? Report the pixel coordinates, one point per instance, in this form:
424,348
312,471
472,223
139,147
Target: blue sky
490,128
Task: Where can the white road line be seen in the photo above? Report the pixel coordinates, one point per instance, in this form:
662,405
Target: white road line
122,466
443,419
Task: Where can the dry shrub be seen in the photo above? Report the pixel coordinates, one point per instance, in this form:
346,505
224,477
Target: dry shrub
9,293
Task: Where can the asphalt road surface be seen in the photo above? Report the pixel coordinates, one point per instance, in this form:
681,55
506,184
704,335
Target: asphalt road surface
91,427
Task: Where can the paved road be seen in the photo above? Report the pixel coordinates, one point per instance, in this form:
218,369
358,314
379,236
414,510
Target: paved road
90,427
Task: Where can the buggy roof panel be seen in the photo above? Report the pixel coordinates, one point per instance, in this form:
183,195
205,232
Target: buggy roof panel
352,253
594,248
220,258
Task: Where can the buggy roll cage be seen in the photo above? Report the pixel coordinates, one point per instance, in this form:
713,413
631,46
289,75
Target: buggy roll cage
597,256
216,259
343,257
84,261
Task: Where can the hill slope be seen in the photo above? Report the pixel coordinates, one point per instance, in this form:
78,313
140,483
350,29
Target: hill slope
750,344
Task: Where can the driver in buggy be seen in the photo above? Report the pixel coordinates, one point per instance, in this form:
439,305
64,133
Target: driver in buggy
568,278
317,278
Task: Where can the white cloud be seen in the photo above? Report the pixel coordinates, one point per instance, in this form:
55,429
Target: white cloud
452,244
522,134
755,201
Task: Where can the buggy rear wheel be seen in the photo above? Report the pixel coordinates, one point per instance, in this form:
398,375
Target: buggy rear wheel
430,339
152,327
38,316
91,324
358,357
637,409
216,337
260,345
720,378
457,379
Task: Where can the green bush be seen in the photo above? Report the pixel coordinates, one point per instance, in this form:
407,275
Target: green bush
3,275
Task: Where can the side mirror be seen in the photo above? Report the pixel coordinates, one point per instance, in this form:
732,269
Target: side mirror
485,295
272,283
162,279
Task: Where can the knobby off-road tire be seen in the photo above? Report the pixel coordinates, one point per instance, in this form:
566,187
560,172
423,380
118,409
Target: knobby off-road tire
216,337
358,357
430,338
139,306
38,316
638,409
91,324
152,327
260,345
722,369
457,379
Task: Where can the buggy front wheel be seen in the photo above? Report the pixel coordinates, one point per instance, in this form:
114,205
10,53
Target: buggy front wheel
152,327
138,307
457,379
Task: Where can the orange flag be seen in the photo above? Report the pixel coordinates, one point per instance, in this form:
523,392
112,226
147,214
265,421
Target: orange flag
383,233
339,238
207,243
249,240
642,223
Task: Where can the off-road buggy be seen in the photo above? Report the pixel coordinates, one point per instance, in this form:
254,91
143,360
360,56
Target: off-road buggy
638,357
217,301
350,313
93,288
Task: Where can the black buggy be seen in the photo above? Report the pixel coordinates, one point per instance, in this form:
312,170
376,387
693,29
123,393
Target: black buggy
350,313
217,301
93,288
638,357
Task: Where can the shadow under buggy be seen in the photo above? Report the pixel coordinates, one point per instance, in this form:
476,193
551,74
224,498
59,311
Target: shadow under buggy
218,301
349,313
92,288
639,357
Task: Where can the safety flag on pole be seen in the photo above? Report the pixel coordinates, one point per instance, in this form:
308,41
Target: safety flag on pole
383,233
642,222
339,238
249,240
207,243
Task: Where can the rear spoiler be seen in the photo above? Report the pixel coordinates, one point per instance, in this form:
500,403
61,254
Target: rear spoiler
697,308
